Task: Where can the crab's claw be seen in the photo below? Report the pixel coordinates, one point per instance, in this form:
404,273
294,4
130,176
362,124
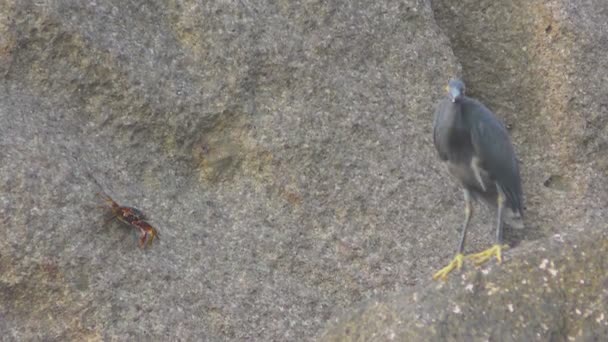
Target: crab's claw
147,233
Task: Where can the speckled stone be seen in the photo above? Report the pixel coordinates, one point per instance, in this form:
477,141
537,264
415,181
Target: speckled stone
553,289
282,149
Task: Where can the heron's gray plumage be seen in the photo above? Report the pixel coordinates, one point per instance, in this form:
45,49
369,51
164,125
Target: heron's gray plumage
478,151
466,131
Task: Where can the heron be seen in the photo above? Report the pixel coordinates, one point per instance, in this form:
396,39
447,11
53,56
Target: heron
478,152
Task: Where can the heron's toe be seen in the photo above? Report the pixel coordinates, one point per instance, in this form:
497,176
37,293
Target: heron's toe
484,256
456,263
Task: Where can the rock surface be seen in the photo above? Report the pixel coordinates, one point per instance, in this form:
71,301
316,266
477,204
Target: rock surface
282,150
551,290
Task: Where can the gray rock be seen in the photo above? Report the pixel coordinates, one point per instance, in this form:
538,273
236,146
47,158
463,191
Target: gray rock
551,290
283,151
275,147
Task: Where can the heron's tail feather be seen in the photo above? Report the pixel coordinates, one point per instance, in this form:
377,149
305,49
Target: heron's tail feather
514,219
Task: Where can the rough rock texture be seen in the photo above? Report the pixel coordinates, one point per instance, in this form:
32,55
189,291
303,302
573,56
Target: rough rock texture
282,149
552,290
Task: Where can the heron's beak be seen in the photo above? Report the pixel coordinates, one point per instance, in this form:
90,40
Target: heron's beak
454,93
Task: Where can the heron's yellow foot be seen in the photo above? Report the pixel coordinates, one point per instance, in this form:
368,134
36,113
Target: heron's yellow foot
485,256
455,264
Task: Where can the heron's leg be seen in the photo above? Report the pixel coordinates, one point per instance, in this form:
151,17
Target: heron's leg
468,213
499,216
496,250
456,263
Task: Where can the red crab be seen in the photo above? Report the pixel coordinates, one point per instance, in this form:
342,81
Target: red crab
132,217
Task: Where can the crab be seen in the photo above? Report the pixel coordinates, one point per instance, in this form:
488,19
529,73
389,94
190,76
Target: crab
132,217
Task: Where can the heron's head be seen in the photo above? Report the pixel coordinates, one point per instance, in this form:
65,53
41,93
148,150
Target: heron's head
455,89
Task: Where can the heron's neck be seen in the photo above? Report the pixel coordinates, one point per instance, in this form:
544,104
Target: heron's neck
455,117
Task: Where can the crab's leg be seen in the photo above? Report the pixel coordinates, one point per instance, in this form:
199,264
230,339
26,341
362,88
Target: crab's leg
152,234
143,236
110,219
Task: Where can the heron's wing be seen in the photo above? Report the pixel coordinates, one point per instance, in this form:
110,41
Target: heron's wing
496,154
